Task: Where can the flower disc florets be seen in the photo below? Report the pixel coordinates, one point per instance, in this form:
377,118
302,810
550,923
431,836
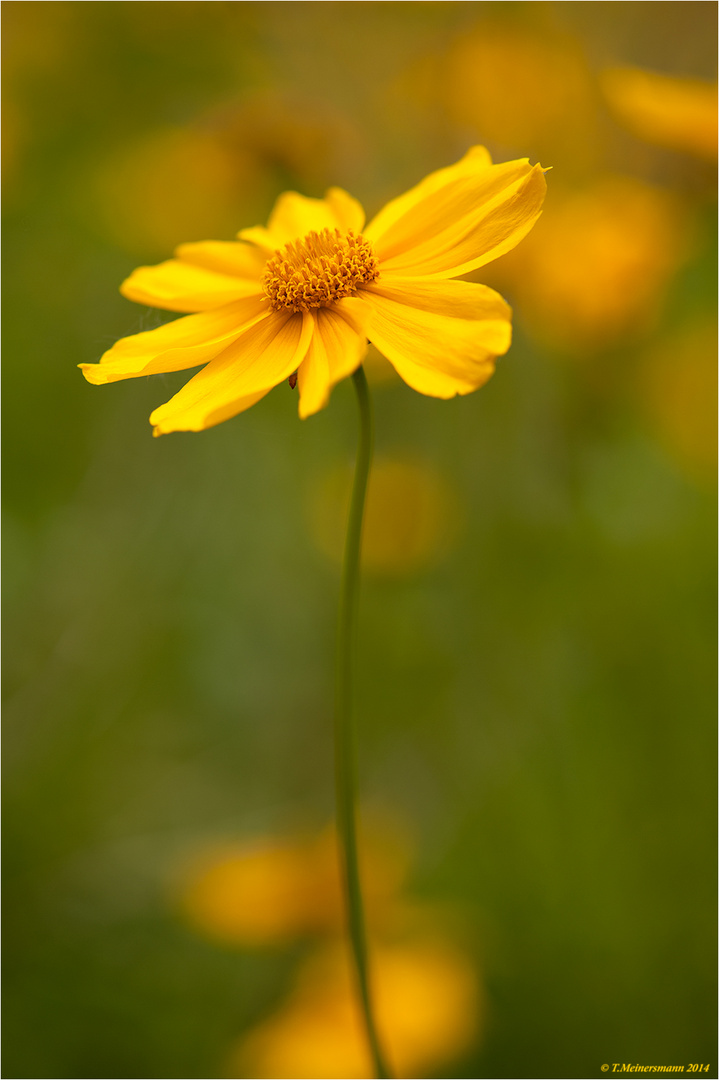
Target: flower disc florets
318,269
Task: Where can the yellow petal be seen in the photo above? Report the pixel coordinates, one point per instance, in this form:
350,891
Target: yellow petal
441,336
294,215
224,257
181,344
203,275
177,285
263,356
338,346
475,161
459,218
265,242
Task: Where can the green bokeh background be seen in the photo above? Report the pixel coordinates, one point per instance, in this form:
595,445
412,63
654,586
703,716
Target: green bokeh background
537,705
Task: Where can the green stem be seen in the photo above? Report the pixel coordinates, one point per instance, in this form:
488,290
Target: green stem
345,768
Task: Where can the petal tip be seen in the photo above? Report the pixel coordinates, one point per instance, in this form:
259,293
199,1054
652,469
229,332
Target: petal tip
304,412
128,288
93,373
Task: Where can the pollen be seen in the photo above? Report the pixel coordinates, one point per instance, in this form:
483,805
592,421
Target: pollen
318,269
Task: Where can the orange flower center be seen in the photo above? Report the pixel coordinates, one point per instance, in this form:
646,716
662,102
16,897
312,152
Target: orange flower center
318,269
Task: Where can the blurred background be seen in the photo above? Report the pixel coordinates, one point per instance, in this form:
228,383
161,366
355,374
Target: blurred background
536,672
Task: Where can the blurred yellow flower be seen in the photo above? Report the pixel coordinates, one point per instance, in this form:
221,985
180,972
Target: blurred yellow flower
520,87
303,295
600,267
411,516
678,113
193,180
273,890
676,388
290,135
174,178
428,1004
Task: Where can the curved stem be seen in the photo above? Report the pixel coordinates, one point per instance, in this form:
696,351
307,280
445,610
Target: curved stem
345,768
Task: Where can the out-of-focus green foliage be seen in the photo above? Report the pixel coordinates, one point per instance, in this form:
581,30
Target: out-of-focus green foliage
535,697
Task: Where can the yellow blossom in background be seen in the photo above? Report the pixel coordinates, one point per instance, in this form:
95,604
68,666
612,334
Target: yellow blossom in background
429,1009
193,180
514,87
304,294
294,135
173,179
269,891
412,515
676,386
677,113
599,268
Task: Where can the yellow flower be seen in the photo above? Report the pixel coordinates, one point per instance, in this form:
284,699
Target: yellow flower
304,294
430,1009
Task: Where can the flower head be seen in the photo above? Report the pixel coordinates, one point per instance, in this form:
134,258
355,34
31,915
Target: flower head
305,294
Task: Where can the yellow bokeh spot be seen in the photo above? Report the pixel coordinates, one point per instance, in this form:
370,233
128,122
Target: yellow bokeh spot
597,267
520,89
203,179
677,391
428,1005
175,182
411,517
273,890
677,113
255,894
